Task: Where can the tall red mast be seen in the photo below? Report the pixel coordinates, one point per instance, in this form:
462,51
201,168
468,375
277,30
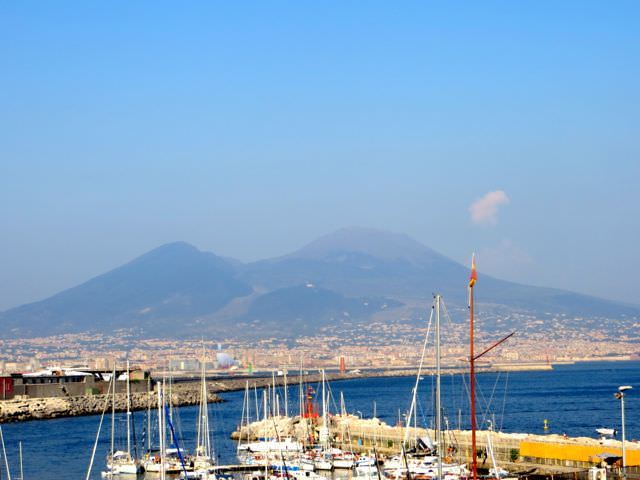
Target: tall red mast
472,373
472,368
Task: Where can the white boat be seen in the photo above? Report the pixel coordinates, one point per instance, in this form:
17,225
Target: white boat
323,462
165,460
287,445
156,464
366,466
121,461
344,460
306,475
198,475
495,471
307,463
432,466
203,459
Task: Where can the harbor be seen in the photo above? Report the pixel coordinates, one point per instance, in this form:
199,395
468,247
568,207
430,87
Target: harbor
86,396
517,452
524,412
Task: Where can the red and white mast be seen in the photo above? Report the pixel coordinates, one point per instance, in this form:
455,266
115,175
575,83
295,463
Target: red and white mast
472,368
472,360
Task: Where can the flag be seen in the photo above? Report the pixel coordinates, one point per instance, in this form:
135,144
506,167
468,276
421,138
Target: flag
474,275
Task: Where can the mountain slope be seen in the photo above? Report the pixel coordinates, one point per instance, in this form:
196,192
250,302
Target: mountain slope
352,274
362,261
307,308
173,282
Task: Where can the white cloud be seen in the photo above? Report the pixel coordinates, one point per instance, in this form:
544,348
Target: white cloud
484,211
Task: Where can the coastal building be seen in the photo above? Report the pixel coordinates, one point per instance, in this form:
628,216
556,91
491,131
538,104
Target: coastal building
68,383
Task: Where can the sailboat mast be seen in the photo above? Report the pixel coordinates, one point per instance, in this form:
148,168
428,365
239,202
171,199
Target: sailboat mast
128,412
95,443
149,414
301,391
200,419
273,394
324,404
170,399
161,428
264,401
438,398
324,437
413,408
490,449
286,394
255,391
244,419
21,467
203,447
205,410
472,373
4,453
113,411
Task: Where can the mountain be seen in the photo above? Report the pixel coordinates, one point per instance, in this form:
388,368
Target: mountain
362,261
306,308
351,275
168,284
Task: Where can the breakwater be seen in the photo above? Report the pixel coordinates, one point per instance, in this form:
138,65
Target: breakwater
234,384
18,410
185,391
518,452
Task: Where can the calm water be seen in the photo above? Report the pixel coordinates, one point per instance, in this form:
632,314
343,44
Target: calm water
575,400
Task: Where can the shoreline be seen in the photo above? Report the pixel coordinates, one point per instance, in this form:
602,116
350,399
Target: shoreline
186,392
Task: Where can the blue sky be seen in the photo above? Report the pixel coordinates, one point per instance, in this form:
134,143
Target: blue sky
250,128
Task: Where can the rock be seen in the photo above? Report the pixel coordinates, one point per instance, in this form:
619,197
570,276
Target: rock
54,407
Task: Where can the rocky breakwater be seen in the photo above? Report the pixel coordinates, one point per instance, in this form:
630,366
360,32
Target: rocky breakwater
18,410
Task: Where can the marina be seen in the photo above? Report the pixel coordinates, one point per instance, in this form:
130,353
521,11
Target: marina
301,427
320,241
575,400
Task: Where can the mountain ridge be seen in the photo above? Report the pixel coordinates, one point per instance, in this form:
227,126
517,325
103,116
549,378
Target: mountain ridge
352,273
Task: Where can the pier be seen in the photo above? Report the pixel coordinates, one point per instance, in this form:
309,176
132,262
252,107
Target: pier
517,452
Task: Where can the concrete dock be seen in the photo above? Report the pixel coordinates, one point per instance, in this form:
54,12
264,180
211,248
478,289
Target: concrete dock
518,452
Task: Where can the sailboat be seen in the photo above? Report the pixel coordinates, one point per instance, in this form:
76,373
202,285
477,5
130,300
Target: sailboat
427,466
121,462
343,458
495,472
245,422
163,460
203,460
4,454
324,461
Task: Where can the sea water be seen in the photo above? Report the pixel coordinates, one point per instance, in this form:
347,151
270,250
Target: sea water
574,399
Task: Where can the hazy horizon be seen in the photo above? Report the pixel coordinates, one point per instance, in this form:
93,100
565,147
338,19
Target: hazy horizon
249,130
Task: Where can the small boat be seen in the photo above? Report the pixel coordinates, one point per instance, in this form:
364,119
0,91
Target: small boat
203,459
366,466
121,461
324,462
307,463
344,460
306,475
